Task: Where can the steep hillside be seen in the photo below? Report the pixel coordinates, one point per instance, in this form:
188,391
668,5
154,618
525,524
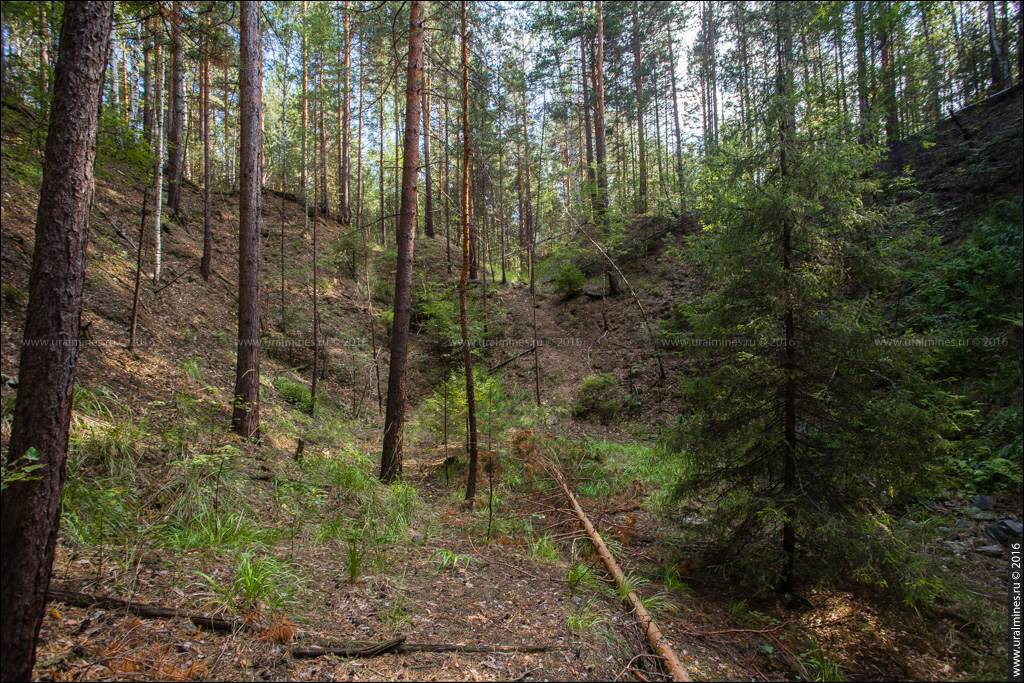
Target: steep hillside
298,539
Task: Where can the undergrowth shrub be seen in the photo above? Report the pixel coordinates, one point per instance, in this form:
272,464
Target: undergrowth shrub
974,296
601,396
569,281
297,393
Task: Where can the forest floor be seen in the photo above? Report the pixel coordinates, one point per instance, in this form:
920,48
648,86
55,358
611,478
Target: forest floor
164,507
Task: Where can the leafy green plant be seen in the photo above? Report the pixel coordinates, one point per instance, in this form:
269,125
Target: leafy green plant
585,618
256,584
601,396
580,576
297,393
569,280
817,665
543,549
392,612
354,557
20,469
192,369
448,559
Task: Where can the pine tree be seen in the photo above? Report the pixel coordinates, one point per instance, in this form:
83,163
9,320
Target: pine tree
394,420
245,419
31,508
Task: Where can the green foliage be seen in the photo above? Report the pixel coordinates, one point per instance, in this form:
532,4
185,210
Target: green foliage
865,419
580,576
97,511
298,393
602,397
354,558
817,665
544,550
13,294
266,582
569,281
349,471
192,369
972,299
448,559
20,469
585,618
500,407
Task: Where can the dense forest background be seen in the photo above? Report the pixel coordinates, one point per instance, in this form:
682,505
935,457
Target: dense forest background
320,317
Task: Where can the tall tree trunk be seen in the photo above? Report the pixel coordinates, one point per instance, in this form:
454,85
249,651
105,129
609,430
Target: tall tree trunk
787,129
245,419
344,192
467,358
860,33
324,208
204,267
44,60
934,72
394,420
428,215
380,175
638,85
591,183
158,170
891,104
3,52
501,190
1000,66
447,191
602,160
305,104
125,90
675,111
284,178
175,132
30,517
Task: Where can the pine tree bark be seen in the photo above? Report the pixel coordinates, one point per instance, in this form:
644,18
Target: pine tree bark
428,216
305,103
591,183
675,111
175,132
863,111
345,208
204,266
158,165
890,104
324,207
3,52
999,65
394,420
245,418
602,160
638,85
467,357
30,516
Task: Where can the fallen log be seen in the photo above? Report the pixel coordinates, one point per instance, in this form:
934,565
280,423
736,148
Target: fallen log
368,651
654,636
509,360
399,646
142,610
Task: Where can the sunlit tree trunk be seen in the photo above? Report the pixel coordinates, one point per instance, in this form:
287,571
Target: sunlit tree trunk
463,280
394,419
602,160
175,131
245,419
